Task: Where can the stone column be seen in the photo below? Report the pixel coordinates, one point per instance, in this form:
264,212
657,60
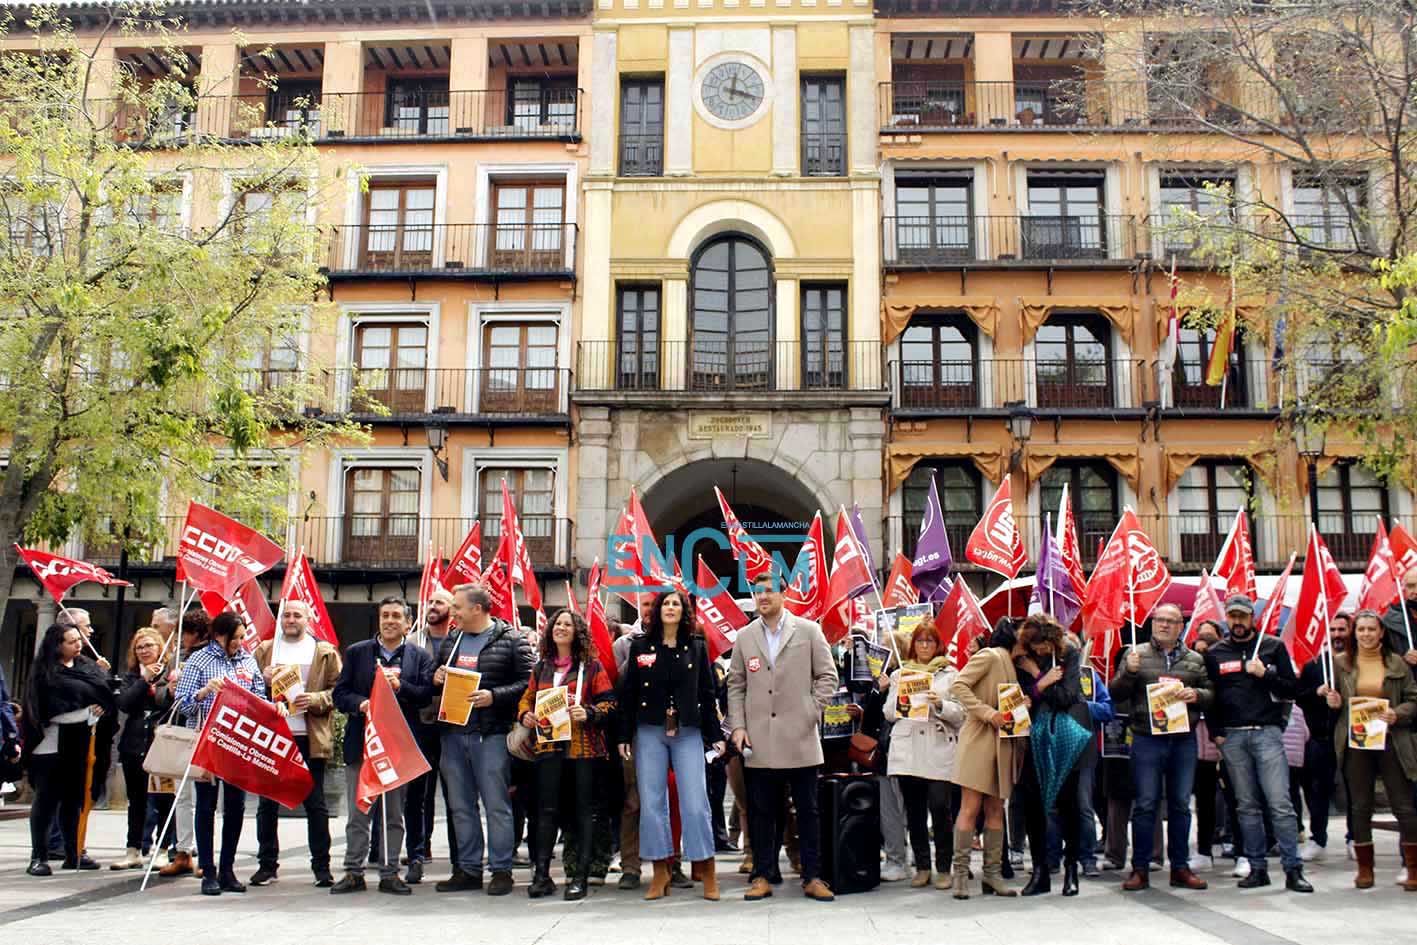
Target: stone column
470,103
862,123
994,63
865,437
785,151
788,331
593,515
675,355
604,72
679,103
46,611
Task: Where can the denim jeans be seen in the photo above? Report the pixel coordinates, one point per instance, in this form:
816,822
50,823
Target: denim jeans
654,754
1158,759
233,814
1256,764
477,769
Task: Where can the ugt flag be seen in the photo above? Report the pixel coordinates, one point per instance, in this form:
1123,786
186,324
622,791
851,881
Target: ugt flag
247,741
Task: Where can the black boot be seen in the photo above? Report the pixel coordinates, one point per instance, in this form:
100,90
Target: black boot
577,888
1070,878
541,884
1039,881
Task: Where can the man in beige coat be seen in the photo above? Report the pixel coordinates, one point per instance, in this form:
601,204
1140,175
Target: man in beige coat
312,723
781,677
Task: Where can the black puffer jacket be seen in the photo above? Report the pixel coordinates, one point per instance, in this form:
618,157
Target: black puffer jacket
505,662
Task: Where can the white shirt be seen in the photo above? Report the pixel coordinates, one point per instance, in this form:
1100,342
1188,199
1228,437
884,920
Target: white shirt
773,636
301,654
49,745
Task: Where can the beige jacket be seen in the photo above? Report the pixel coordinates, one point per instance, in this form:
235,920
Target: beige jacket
324,671
780,704
925,748
984,762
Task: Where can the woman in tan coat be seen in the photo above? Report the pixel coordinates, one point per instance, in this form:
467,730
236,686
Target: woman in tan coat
985,764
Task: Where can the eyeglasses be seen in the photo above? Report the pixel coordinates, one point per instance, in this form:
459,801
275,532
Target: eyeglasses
1167,620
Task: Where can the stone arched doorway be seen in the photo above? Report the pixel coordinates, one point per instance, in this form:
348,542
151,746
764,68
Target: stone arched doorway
774,506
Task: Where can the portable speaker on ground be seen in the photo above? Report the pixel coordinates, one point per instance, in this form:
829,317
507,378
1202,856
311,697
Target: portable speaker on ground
851,832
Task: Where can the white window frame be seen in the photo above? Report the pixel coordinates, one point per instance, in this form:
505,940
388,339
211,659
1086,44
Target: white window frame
1123,396
477,458
486,213
379,457
482,314
979,195
1111,194
356,196
428,314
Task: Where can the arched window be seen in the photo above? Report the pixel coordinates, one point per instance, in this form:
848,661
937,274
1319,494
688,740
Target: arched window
731,318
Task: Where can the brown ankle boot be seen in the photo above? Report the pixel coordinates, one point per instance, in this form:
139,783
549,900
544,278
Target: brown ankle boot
181,865
1409,859
706,872
659,886
1363,853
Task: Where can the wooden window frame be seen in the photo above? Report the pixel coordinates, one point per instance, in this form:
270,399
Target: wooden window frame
523,397
399,259
641,167
398,400
527,258
817,343
820,167
645,373
386,550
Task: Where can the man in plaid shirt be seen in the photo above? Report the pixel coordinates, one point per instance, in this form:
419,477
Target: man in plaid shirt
222,662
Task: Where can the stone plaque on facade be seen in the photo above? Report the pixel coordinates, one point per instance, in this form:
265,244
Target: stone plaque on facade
711,426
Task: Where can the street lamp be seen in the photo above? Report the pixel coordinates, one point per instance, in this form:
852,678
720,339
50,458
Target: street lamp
1309,433
437,439
1020,428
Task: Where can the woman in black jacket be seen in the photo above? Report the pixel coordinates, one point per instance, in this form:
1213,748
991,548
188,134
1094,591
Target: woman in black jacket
67,692
144,697
669,714
1050,675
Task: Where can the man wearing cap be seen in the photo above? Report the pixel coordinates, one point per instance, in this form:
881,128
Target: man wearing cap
1253,679
419,812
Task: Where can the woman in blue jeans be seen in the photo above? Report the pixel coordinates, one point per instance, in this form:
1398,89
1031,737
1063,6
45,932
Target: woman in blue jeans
669,714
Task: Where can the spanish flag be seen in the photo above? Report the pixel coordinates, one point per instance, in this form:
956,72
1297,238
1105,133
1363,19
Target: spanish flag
1224,341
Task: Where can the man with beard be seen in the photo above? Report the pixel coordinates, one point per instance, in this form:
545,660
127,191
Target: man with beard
419,808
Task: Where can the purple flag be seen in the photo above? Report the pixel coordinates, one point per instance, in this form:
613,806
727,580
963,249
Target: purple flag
930,572
1053,590
859,527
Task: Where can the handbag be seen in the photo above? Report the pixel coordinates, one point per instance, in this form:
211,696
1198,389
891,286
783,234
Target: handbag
171,751
864,751
519,742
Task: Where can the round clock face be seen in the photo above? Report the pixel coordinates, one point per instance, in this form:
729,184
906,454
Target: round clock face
732,91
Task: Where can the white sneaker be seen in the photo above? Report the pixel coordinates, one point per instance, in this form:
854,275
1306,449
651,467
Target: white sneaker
1016,857
1242,868
893,873
1311,852
1199,862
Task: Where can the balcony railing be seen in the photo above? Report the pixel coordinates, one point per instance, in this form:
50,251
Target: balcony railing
398,393
358,116
1188,541
824,155
708,366
452,250
910,242
1069,104
962,387
641,155
380,542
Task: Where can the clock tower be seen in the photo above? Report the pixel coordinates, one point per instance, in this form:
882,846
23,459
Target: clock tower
730,328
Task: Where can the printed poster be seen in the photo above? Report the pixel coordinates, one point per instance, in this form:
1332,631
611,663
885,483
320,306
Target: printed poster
1117,738
1365,729
868,660
836,720
1014,704
912,696
901,619
458,688
286,684
1165,709
553,715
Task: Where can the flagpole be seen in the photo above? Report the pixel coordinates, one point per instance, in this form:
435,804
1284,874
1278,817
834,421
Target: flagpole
1132,594
384,816
171,811
87,642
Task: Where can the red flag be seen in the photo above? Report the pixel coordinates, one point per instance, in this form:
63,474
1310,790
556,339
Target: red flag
1069,550
1107,588
1321,594
961,608
247,741
520,560
250,605
59,574
1206,607
466,565
1404,549
220,554
497,580
600,626
300,585
849,574
1129,571
1379,588
899,590
428,581
748,553
806,596
1269,619
571,600
719,616
636,565
995,543
1236,561
391,756
1147,574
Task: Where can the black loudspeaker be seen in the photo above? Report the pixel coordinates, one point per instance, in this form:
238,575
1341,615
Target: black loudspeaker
851,832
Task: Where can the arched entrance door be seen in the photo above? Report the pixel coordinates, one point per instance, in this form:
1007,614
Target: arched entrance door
731,316
774,507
